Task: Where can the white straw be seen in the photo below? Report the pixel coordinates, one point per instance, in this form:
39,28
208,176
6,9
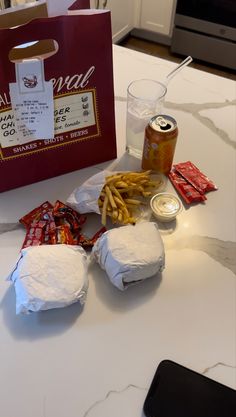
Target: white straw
178,69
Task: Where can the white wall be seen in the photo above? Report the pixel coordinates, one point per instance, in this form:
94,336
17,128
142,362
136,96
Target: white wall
56,7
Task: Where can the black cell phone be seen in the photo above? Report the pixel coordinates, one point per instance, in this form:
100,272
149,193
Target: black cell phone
177,391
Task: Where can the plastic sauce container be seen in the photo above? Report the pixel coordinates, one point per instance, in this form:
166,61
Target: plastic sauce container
165,206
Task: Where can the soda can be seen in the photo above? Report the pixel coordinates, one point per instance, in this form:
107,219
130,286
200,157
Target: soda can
159,143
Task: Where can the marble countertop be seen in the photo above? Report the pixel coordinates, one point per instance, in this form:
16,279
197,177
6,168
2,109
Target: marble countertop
99,361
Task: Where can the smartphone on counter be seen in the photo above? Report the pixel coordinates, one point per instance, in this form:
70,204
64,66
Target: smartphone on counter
177,391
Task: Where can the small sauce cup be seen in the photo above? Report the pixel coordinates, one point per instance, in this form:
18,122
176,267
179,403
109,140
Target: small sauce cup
165,206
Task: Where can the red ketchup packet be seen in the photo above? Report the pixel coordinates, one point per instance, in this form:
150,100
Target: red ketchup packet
58,224
49,232
35,234
195,177
36,214
64,214
89,242
63,235
185,189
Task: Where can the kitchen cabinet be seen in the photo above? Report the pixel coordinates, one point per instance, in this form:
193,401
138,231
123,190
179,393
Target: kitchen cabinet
157,16
122,13
151,15
122,16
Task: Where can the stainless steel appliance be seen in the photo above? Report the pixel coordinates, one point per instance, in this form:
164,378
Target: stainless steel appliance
206,29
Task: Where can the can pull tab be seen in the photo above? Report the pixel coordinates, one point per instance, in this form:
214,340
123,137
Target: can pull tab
162,123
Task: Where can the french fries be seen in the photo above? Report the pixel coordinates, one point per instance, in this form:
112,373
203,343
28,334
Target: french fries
123,193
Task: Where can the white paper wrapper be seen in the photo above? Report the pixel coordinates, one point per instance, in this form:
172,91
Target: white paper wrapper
50,276
130,254
84,199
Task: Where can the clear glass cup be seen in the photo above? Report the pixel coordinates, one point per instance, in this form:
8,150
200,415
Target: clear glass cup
144,100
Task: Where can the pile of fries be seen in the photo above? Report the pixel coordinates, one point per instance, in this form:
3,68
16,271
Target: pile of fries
122,195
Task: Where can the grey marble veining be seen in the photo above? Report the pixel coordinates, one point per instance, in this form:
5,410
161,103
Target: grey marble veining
195,109
112,392
9,227
93,406
219,250
209,368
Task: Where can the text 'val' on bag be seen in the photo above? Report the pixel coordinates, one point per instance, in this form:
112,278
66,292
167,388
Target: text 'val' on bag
75,54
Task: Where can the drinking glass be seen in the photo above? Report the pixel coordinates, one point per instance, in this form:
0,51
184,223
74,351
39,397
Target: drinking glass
144,100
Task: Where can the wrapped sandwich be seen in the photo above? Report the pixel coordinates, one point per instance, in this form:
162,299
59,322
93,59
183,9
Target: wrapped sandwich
130,254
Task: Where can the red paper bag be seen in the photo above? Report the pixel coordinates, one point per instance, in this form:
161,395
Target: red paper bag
82,75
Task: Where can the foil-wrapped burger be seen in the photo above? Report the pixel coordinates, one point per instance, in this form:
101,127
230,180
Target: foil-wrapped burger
130,254
50,276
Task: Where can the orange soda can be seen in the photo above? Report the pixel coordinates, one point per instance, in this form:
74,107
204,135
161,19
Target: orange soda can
159,143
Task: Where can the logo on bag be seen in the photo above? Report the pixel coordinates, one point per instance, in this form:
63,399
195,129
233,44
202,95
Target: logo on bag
30,81
72,82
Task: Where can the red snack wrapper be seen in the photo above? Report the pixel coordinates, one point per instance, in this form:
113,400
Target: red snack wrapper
63,235
36,214
195,177
89,242
53,225
84,241
185,189
50,234
35,234
99,234
64,214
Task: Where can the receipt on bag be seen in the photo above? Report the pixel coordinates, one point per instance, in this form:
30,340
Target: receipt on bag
50,276
130,254
32,102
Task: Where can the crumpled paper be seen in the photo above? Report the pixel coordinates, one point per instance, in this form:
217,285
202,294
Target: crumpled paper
84,199
130,254
50,276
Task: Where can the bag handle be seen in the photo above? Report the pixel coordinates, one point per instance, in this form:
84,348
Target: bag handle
36,30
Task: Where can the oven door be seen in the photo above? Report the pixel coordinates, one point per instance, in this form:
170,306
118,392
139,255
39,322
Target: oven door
222,12
212,17
206,30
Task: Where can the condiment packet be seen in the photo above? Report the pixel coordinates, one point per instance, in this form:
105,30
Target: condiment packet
185,189
58,224
64,214
195,177
36,214
34,234
86,242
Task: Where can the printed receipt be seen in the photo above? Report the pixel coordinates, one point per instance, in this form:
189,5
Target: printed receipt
32,102
37,115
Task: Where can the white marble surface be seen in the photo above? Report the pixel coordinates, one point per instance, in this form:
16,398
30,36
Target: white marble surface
99,361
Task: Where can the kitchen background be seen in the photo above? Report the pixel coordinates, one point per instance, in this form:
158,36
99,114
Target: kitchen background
171,29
